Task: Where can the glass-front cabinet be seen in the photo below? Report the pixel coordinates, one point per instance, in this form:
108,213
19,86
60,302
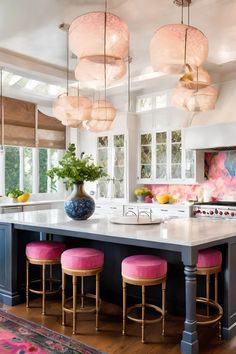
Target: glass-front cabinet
163,160
161,163
111,155
176,155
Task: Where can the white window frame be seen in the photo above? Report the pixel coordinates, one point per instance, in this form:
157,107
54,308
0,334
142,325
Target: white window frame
35,171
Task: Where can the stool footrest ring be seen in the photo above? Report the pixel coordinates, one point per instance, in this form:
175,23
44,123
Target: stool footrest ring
211,319
156,308
85,309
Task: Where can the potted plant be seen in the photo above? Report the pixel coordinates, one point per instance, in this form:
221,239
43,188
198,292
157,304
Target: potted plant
141,193
75,171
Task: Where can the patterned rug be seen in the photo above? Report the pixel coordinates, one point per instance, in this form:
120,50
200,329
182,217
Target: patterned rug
19,336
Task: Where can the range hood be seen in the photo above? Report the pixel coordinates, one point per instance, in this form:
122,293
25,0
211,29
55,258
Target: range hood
211,137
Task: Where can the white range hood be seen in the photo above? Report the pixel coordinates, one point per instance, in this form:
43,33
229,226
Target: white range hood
218,136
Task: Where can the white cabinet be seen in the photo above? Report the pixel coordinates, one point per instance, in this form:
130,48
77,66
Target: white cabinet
161,159
116,151
109,209
158,210
111,155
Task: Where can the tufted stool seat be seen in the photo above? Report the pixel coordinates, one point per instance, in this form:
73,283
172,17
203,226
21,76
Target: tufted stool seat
81,262
144,270
43,253
209,262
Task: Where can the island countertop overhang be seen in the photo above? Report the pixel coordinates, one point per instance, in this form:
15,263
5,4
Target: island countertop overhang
178,232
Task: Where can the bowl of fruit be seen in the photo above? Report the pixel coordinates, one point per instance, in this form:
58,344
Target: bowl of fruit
18,196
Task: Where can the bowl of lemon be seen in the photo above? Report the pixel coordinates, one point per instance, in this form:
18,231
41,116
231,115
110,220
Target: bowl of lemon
18,196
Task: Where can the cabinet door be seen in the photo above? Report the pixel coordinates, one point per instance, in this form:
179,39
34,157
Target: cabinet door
145,158
161,159
175,155
102,160
118,166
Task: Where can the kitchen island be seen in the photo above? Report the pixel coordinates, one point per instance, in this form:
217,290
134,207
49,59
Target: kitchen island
183,236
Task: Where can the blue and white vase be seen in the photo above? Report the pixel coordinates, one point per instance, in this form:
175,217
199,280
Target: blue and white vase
79,205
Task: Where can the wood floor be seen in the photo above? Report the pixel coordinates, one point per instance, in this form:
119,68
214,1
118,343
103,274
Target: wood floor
109,338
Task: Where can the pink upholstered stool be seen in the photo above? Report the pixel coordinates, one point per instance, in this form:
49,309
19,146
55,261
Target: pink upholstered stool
144,270
81,262
209,262
42,253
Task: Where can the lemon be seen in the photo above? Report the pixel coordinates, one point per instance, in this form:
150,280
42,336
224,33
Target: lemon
163,199
23,198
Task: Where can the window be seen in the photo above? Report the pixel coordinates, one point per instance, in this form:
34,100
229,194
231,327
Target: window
24,165
12,168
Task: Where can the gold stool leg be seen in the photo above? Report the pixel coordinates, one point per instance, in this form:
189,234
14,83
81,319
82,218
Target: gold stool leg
82,292
74,303
44,289
97,299
143,314
163,287
63,298
27,283
124,307
208,291
216,300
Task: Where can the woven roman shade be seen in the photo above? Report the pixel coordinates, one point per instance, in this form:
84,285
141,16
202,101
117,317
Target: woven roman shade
51,133
21,120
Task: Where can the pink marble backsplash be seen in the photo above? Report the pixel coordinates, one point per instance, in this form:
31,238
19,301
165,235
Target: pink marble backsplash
220,184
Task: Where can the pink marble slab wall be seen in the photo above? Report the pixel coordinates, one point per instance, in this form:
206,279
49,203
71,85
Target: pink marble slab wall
220,173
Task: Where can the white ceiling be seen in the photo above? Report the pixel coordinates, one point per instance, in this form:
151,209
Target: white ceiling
32,44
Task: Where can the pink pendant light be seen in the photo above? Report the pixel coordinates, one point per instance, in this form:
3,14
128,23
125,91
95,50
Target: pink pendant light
103,111
86,35
72,108
167,48
202,100
179,97
195,101
90,71
195,78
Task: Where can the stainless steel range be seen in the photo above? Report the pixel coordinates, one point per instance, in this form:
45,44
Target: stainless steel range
221,209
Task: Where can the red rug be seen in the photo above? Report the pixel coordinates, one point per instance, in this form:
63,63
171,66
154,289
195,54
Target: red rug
19,336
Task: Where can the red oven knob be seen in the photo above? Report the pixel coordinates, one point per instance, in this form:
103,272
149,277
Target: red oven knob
221,212
204,212
211,212
232,214
226,213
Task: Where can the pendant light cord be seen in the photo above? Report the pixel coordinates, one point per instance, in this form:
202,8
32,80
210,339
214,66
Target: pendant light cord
104,53
67,62
182,12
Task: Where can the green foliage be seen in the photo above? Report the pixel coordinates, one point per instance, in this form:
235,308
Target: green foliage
43,157
12,168
14,193
73,169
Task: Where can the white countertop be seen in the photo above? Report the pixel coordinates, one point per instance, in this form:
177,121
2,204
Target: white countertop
35,202
181,231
